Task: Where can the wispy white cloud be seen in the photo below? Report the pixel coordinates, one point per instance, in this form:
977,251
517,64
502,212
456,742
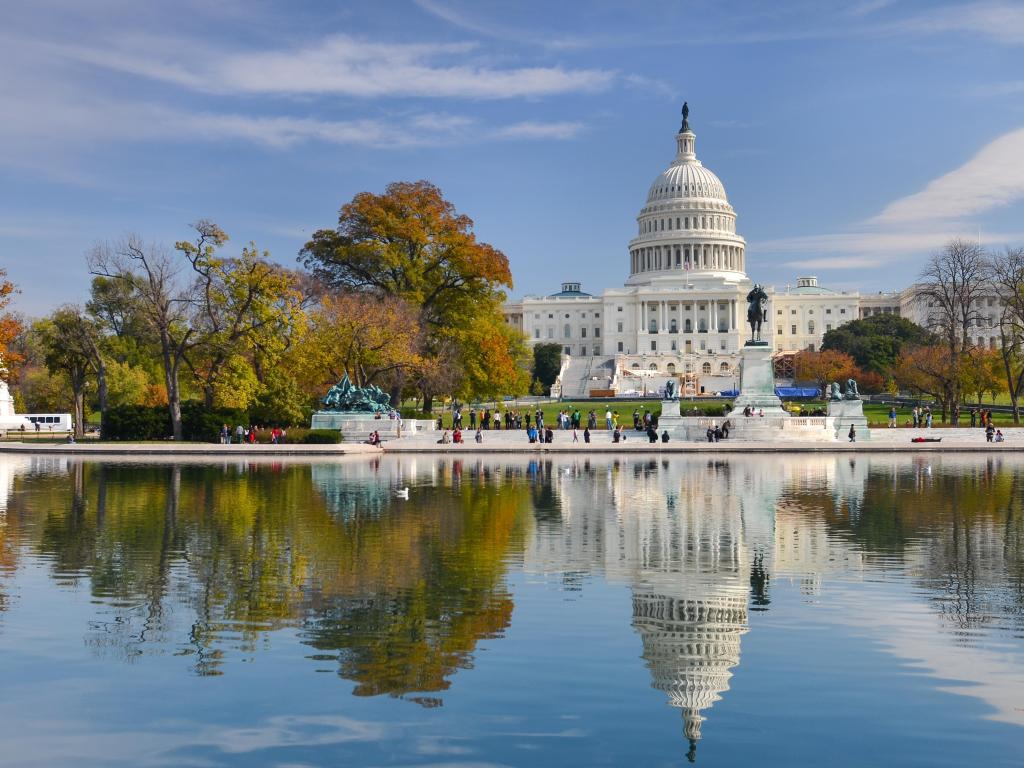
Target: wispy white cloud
991,179
539,130
339,65
858,250
1000,21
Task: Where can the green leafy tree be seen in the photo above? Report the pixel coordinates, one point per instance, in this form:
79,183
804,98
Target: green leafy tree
547,362
69,338
875,342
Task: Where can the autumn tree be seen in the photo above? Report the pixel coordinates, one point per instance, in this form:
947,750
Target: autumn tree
242,305
1006,274
929,371
10,327
368,338
411,243
823,367
949,293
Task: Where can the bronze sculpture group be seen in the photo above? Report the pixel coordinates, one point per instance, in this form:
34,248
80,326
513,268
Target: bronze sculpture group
346,397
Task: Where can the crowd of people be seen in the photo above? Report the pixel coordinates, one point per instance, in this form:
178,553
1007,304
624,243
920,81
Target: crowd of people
250,435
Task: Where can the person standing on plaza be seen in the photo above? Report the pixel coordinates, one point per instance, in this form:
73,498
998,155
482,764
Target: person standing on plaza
974,417
479,437
892,417
575,435
928,417
586,434
608,419
225,435
853,434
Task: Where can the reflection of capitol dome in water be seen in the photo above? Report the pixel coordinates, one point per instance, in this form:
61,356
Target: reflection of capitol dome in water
691,647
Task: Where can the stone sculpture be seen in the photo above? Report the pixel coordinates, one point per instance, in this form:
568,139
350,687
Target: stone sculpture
834,394
346,397
851,390
670,389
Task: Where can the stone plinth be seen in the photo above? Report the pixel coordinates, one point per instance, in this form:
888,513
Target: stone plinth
356,427
757,382
845,413
671,421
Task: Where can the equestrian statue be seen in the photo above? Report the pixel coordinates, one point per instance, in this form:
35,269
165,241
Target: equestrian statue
757,312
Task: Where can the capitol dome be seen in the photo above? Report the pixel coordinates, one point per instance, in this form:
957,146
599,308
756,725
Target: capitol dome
687,225
687,179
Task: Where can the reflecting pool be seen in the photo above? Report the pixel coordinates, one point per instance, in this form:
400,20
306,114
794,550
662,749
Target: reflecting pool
797,610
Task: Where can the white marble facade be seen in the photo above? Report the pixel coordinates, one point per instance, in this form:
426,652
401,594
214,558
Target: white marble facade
682,309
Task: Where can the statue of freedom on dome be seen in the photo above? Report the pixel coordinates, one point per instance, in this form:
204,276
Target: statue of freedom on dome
757,300
686,118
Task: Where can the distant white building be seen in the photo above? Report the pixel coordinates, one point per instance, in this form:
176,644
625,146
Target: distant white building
682,309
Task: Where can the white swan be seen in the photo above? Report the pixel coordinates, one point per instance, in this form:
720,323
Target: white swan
402,493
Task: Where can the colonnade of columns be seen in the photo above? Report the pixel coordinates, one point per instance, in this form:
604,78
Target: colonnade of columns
712,256
656,316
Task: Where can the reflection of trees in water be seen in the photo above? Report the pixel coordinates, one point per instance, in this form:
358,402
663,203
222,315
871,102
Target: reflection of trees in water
957,531
204,560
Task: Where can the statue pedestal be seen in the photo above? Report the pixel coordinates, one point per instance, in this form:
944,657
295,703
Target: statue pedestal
845,413
672,421
757,382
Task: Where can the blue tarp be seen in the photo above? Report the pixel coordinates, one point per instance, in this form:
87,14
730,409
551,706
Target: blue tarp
796,391
729,393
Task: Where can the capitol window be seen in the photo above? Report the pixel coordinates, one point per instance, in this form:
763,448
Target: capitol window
828,311
706,368
619,326
583,333
654,346
810,327
792,330
620,346
536,333
567,331
597,332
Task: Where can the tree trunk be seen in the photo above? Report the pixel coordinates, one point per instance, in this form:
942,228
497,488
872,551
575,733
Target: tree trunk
79,398
101,386
208,395
428,402
171,382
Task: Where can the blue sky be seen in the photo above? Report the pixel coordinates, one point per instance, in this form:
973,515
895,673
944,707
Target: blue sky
852,137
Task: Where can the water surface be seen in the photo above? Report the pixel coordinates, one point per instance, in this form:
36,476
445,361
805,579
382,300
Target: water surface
791,610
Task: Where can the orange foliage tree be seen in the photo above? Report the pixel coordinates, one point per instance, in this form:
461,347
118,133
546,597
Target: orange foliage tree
410,243
824,367
10,327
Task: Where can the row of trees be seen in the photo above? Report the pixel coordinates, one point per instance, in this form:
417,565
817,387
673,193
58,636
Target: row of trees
962,289
400,294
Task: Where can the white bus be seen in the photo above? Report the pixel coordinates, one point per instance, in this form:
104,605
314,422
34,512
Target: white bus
50,422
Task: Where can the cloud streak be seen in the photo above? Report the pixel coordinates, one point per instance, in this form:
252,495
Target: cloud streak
341,65
991,179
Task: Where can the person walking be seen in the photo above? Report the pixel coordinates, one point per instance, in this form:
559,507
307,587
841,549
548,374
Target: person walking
586,434
974,417
575,435
608,419
928,418
225,435
853,434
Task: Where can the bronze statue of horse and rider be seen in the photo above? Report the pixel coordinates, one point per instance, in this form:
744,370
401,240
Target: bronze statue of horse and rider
757,312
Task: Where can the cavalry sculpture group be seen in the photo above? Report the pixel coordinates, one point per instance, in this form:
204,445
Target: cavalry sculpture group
345,396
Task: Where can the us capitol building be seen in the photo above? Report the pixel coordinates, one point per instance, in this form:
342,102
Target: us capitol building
682,311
